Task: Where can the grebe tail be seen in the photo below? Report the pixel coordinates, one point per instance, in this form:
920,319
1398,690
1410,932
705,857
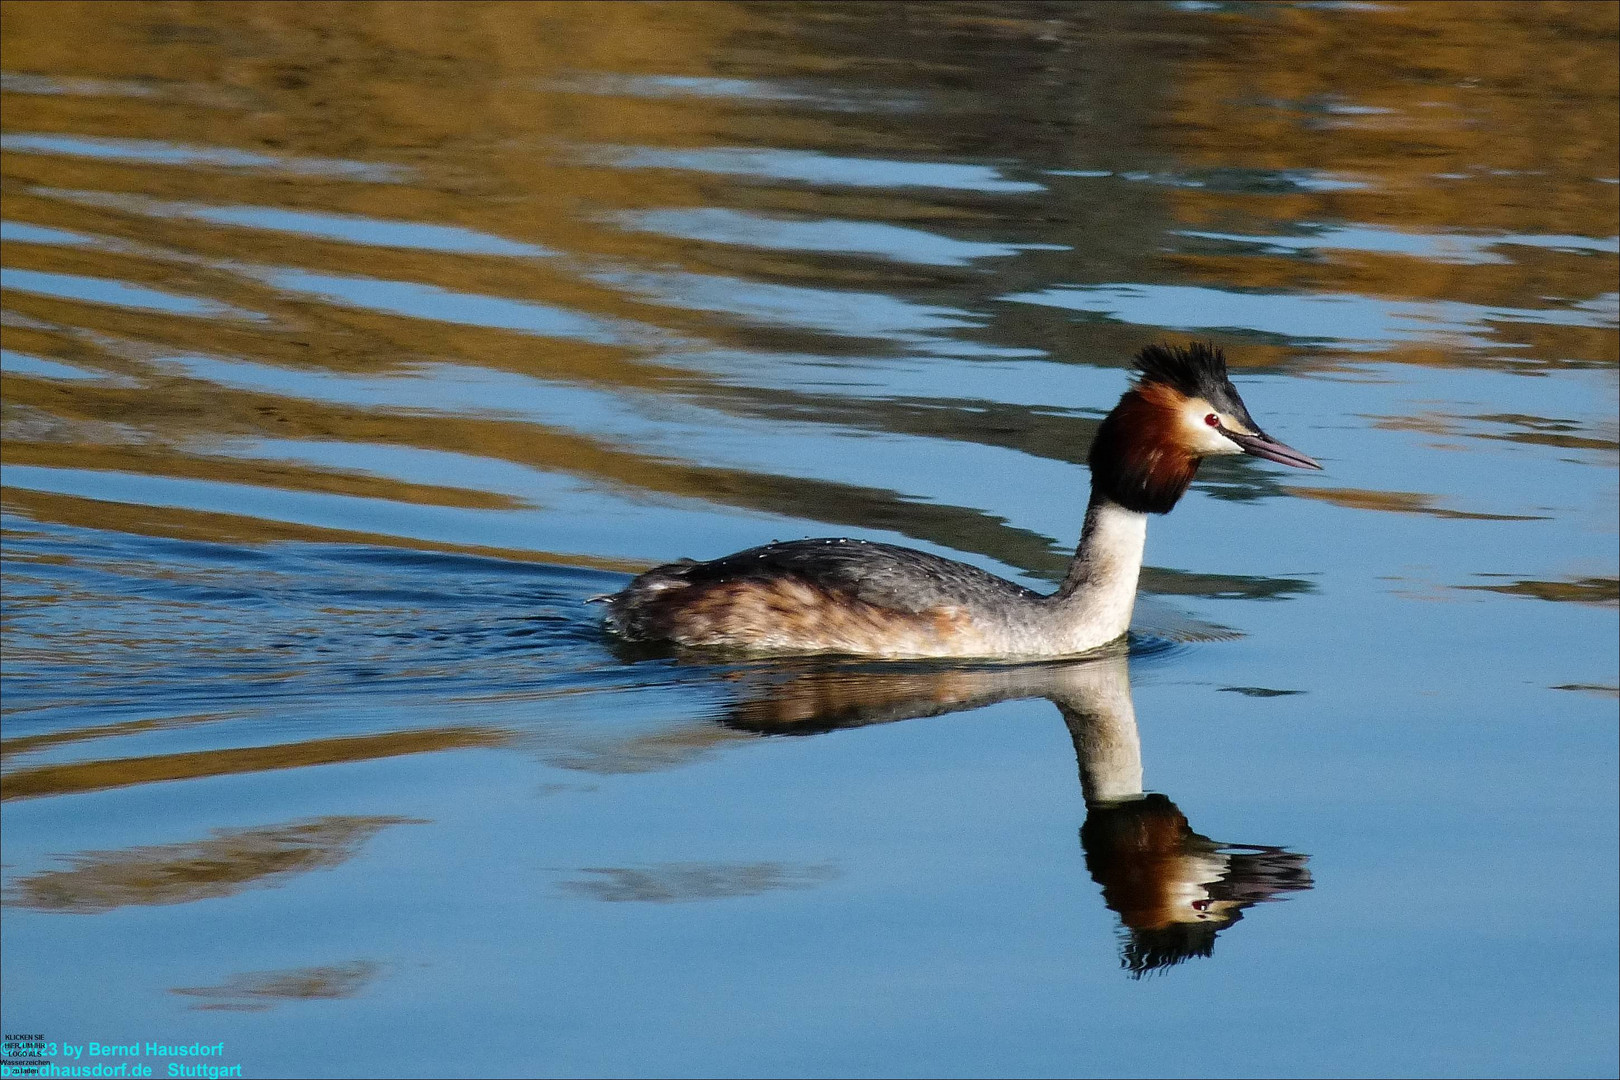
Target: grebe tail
868,599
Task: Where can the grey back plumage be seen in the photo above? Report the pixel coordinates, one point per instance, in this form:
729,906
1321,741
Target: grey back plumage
896,578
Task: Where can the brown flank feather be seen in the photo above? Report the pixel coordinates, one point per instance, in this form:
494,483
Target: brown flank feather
792,612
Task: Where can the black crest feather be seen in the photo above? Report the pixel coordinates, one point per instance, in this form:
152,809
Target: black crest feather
1196,370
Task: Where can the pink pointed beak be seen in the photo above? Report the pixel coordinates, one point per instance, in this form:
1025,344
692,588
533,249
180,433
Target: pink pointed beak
1263,446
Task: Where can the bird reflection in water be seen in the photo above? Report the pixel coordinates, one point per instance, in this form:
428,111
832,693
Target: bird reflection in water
1173,889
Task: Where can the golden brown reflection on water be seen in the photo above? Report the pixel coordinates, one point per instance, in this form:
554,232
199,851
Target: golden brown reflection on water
1449,118
122,772
226,863
268,234
256,991
373,200
295,290
391,89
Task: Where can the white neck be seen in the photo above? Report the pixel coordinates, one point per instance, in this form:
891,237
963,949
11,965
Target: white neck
1093,606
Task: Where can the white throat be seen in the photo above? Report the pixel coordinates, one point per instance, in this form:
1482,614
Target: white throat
1094,604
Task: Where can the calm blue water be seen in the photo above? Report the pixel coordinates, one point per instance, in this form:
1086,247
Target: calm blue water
348,351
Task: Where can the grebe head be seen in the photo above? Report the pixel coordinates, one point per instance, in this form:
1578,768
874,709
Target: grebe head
1182,410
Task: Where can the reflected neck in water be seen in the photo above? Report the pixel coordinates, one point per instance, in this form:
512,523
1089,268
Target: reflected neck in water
1095,700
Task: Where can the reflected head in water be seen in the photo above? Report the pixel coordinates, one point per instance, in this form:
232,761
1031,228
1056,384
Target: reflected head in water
1173,889
865,599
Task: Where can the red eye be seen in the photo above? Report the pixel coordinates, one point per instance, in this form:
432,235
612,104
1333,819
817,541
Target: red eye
1212,420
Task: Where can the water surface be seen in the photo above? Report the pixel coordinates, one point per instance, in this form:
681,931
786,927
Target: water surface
347,351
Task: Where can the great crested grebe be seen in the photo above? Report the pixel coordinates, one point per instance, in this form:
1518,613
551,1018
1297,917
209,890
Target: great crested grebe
867,599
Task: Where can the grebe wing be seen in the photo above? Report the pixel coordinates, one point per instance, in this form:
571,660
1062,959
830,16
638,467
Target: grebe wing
897,578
